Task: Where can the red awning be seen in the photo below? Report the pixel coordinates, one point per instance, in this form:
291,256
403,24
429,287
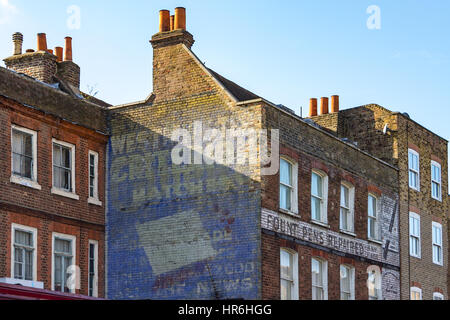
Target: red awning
17,292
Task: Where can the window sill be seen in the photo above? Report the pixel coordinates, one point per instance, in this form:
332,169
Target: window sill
25,283
438,264
291,213
322,224
25,182
417,257
348,233
66,194
437,199
95,201
375,241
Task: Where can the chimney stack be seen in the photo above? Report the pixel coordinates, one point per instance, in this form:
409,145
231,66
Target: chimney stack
59,53
44,64
41,42
323,105
334,104
18,41
312,107
164,20
180,18
68,51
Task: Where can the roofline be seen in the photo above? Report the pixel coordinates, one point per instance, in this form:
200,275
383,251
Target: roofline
55,115
48,86
202,66
316,128
396,113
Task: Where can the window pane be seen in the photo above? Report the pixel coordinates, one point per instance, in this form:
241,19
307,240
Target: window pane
316,186
372,206
286,265
316,272
23,238
56,155
285,172
315,208
29,265
285,197
344,196
286,287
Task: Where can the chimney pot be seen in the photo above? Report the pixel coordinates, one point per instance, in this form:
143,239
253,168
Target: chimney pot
50,51
18,41
323,105
68,51
29,51
59,53
312,107
41,42
172,23
164,20
180,18
334,104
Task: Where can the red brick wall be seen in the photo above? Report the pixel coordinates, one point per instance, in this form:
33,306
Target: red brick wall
271,246
336,175
41,209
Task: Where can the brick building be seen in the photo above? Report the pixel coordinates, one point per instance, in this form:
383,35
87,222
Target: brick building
52,171
223,229
191,204
421,159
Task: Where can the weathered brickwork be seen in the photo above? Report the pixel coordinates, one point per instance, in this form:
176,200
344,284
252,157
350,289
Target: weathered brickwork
366,125
39,65
42,210
342,162
180,231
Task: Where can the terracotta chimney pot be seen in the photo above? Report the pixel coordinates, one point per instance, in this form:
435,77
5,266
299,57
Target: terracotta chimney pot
68,51
41,42
323,105
164,20
180,18
334,104
313,107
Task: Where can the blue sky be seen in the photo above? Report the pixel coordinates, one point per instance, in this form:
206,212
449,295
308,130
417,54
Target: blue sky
286,51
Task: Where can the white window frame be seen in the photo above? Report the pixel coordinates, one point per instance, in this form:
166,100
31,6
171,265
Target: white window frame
95,284
59,191
33,182
95,199
351,208
351,272
441,258
416,290
295,288
413,215
293,187
34,231
438,295
438,165
323,201
66,237
417,188
324,271
376,218
377,285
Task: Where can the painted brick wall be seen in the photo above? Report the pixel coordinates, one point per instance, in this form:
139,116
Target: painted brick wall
180,231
